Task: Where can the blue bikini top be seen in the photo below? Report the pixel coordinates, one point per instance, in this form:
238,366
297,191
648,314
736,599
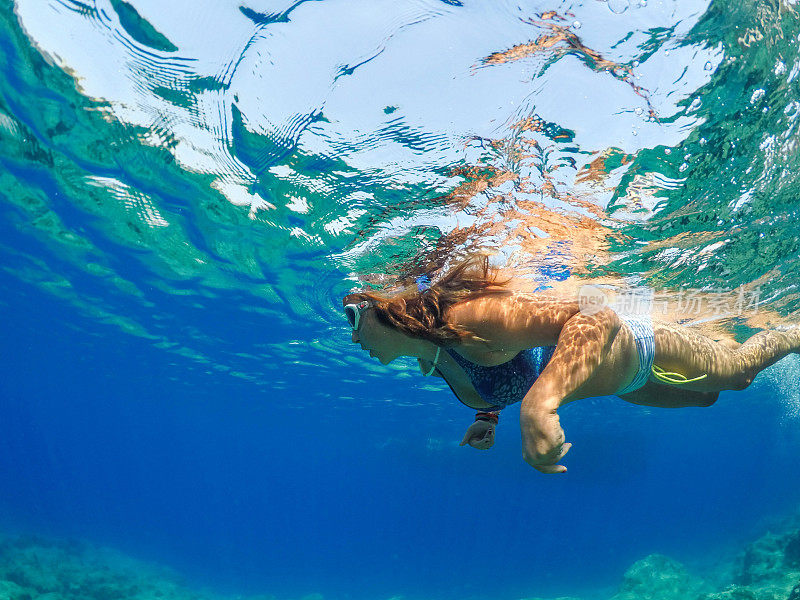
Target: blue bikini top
508,382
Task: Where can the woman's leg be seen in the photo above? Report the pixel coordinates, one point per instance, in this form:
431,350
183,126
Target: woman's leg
665,396
693,355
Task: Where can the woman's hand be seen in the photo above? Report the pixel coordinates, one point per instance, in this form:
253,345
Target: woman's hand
543,440
479,435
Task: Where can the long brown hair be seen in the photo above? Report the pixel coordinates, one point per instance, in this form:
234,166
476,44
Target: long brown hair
423,314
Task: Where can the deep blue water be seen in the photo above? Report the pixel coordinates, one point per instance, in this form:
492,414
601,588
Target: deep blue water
240,491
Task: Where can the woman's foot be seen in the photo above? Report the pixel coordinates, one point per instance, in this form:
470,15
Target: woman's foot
793,331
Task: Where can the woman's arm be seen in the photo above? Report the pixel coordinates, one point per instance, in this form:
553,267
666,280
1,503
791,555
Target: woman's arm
584,343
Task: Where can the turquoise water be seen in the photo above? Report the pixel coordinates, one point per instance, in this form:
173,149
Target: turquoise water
187,190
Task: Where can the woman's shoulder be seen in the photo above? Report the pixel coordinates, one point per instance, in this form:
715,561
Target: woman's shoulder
491,307
477,310
514,320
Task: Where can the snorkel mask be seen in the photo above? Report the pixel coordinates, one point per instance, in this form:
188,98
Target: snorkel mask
353,312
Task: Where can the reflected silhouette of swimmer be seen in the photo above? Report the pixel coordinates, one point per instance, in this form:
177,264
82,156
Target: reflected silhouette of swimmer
495,346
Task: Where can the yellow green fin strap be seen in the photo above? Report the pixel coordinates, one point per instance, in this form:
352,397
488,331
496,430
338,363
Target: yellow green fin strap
675,378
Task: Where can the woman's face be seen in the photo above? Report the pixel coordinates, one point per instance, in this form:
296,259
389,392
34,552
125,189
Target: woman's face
381,341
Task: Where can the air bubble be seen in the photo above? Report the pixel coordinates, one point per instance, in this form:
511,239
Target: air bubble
618,6
635,64
577,24
638,110
695,104
708,66
683,167
642,3
667,151
634,132
666,52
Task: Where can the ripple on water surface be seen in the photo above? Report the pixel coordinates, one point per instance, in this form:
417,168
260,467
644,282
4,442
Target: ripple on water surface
155,170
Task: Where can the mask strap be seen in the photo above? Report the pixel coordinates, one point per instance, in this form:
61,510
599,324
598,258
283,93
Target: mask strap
435,362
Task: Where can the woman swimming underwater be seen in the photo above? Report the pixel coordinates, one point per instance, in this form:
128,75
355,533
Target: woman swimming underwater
495,346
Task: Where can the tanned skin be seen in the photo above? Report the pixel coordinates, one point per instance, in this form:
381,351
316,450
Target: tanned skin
595,355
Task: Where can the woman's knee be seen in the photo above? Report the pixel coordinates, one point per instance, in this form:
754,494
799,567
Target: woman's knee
742,384
707,398
742,381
